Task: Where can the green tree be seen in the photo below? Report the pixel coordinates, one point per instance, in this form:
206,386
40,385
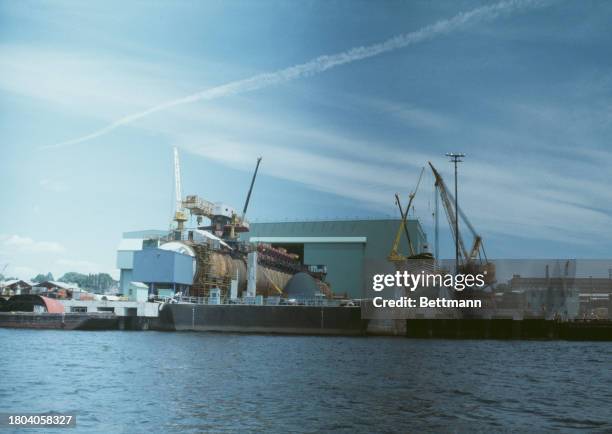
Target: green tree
96,282
42,277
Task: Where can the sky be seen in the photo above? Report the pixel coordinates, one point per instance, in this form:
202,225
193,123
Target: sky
344,100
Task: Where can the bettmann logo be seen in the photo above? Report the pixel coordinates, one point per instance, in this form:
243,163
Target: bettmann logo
412,282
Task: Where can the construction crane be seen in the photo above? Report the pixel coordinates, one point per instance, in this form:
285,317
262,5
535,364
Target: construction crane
225,221
180,217
395,255
248,198
471,261
241,222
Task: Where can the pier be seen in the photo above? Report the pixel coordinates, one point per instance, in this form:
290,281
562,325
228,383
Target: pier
131,315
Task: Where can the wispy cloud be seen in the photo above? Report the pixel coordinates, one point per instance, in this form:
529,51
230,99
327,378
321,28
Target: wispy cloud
28,245
411,114
537,161
520,197
322,63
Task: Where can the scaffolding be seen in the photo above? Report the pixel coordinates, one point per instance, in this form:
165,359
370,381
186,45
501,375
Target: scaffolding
205,280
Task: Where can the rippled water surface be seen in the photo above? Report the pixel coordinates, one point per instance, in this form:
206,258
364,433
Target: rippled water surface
194,382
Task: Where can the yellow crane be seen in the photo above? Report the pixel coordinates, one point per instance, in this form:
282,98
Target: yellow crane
395,255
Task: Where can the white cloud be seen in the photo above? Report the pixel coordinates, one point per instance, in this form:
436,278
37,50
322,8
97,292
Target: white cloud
321,64
412,115
28,245
512,195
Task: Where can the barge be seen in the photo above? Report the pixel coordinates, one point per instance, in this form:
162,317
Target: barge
59,321
279,319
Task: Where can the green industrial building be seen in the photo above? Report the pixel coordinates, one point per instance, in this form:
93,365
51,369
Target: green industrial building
347,247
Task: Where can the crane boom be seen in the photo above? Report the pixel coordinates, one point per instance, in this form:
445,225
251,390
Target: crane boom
477,245
394,255
177,181
179,215
403,224
467,259
248,198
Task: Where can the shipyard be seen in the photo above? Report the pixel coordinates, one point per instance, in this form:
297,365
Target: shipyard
344,217
215,271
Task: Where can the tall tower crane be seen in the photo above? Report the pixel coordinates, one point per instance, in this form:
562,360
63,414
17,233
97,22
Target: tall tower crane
180,217
475,259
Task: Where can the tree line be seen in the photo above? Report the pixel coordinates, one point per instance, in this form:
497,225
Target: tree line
95,282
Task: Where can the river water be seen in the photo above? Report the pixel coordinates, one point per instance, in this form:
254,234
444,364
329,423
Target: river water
197,382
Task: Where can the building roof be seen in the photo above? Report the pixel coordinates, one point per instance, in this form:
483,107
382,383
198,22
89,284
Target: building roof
53,306
147,234
12,282
332,227
130,244
26,303
61,285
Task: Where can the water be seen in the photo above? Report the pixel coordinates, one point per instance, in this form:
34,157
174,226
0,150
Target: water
193,382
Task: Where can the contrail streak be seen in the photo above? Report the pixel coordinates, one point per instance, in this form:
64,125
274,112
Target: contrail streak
321,63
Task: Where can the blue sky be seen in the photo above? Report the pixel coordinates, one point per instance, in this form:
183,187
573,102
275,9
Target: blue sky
525,93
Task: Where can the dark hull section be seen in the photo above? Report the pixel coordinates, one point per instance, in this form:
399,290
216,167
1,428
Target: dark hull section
508,329
306,320
59,321
586,331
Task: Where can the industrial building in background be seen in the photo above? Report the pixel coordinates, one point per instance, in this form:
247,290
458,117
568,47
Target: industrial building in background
338,249
342,247
213,270
225,256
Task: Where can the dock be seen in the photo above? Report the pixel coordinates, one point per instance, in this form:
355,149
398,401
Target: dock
131,315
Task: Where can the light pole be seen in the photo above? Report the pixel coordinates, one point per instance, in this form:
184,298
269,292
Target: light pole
456,158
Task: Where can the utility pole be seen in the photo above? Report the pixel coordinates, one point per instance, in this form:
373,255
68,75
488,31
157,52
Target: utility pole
456,158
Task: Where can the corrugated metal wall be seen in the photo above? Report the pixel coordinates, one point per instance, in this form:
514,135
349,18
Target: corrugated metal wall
345,261
344,264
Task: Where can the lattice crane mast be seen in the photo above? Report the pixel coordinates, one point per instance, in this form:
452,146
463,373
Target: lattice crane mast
395,255
180,216
475,259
